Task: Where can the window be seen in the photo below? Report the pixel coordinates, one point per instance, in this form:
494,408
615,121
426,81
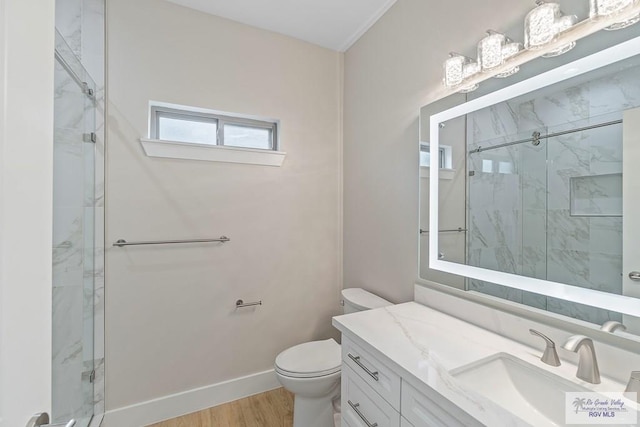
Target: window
190,133
487,166
425,156
170,124
444,156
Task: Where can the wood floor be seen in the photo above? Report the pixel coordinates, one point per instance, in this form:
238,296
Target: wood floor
271,409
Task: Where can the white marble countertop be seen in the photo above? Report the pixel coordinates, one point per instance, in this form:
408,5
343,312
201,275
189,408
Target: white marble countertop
426,344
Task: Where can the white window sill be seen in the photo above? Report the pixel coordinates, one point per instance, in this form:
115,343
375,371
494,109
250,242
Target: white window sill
211,153
444,174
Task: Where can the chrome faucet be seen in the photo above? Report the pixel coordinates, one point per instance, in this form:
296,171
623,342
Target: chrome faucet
42,420
587,363
550,355
612,326
633,386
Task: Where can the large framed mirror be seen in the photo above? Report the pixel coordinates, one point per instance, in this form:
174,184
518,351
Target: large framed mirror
533,190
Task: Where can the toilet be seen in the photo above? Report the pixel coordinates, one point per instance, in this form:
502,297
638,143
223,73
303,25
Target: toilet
311,371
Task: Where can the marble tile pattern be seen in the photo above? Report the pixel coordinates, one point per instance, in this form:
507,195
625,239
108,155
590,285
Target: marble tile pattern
519,198
425,345
78,236
69,23
70,251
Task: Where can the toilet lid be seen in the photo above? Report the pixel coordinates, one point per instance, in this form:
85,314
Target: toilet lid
311,359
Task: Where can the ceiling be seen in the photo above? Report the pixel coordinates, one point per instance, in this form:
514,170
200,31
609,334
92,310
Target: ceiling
334,24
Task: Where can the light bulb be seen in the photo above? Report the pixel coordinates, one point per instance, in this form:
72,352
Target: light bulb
508,51
470,69
453,69
563,24
601,8
490,50
540,25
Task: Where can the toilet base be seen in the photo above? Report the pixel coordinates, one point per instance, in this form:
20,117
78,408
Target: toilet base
314,412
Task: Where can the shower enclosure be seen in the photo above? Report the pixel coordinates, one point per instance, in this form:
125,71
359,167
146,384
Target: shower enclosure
73,239
544,188
78,230
548,204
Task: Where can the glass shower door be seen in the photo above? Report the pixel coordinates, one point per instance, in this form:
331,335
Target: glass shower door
584,215
506,211
550,207
73,240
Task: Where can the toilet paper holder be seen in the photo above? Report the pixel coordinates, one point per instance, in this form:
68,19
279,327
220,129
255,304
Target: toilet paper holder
242,304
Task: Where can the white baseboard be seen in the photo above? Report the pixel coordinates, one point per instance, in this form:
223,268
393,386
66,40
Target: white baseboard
175,405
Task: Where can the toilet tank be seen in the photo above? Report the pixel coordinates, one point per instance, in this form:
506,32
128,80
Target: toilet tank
357,299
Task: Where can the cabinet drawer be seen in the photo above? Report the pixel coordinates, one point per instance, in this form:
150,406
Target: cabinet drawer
362,407
423,411
382,379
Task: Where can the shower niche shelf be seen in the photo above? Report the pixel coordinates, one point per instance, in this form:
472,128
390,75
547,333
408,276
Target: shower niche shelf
596,195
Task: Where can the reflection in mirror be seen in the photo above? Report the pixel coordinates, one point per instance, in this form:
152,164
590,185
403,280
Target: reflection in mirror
452,196
538,191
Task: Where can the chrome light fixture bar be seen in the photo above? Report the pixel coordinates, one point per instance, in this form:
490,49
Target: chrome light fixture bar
548,33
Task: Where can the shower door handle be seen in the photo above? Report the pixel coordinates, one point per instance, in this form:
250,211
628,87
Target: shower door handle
42,420
635,275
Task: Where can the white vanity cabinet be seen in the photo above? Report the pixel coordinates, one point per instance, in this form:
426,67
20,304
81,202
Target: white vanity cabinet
375,393
362,406
431,409
381,378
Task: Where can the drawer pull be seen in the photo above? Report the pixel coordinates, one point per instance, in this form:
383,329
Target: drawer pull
356,359
355,407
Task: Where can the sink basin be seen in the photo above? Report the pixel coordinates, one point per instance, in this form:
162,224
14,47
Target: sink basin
532,394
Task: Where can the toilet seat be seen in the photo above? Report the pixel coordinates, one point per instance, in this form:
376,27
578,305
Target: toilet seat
311,359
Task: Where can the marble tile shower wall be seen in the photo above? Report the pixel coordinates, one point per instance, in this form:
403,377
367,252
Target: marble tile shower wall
72,218
78,270
520,218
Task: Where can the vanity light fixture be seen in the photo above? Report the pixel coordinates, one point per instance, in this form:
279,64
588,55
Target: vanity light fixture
490,50
563,24
600,8
543,24
546,30
453,69
508,51
470,69
457,69
494,50
540,25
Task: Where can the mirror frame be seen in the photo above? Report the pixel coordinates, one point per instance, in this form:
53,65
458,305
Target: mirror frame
619,303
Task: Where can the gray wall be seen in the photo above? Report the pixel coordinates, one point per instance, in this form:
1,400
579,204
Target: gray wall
171,319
